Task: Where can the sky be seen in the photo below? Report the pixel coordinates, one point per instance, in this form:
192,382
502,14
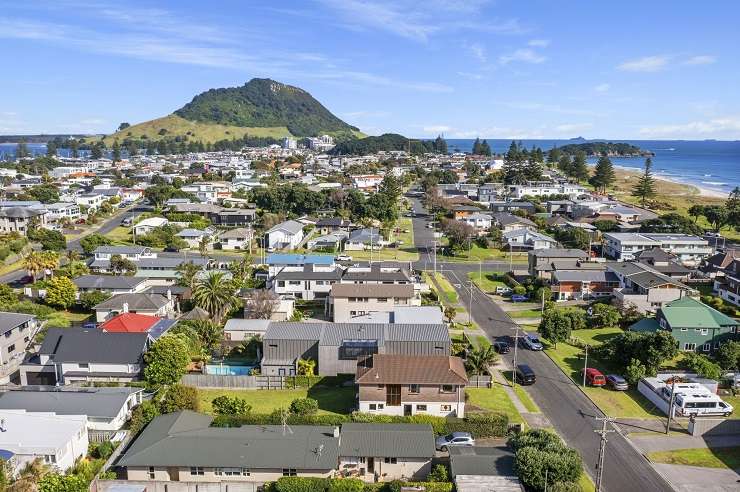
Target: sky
462,68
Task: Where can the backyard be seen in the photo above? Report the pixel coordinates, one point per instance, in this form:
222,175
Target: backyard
624,404
332,400
405,252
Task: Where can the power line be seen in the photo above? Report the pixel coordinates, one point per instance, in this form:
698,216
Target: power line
602,448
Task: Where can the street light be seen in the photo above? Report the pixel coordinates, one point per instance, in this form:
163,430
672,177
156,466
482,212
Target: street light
513,369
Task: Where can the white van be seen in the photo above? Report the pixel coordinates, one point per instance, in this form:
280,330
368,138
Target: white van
693,399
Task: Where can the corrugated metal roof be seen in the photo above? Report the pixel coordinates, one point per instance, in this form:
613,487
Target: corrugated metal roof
387,440
372,290
93,402
332,334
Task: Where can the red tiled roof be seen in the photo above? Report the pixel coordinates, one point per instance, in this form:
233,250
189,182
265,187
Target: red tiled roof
129,323
410,369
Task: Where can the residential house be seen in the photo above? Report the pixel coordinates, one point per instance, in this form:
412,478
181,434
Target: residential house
365,239
237,239
338,346
387,273
209,191
92,201
17,219
460,212
507,222
479,221
409,315
18,331
367,182
504,206
57,440
728,285
59,211
147,304
282,309
328,242
80,355
542,261
148,225
385,452
238,330
347,301
714,266
690,250
333,224
106,409
663,262
578,285
479,468
193,237
133,253
288,234
184,447
525,239
112,284
392,384
545,188
154,326
277,262
310,283
696,326
234,217
645,288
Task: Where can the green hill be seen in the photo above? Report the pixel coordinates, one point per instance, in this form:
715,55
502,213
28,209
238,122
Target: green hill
259,108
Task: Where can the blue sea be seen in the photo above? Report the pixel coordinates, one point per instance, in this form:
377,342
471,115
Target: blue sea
710,164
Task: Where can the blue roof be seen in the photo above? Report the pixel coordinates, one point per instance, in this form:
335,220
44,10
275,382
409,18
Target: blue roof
293,259
6,455
161,327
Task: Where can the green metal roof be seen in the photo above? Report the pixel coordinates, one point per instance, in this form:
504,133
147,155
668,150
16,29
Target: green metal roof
646,325
687,312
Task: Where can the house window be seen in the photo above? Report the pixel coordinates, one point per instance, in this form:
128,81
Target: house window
196,470
289,472
11,348
684,329
380,406
50,459
447,388
445,408
705,331
382,299
390,461
414,388
706,347
421,408
362,459
151,473
232,472
373,406
689,346
84,365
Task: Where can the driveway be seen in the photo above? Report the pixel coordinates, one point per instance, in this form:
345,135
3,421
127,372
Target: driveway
698,479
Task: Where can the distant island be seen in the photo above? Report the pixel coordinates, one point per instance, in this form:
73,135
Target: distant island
610,149
389,142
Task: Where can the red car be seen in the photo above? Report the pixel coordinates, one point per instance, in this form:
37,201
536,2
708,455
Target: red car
594,377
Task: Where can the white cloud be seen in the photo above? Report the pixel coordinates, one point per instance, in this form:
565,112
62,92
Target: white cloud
477,50
701,60
539,43
547,108
525,55
602,88
645,64
471,75
725,127
573,127
437,129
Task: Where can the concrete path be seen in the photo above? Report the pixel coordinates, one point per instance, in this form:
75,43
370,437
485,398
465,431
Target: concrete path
533,420
699,479
651,444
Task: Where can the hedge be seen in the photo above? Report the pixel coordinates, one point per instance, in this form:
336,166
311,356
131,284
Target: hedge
479,425
312,484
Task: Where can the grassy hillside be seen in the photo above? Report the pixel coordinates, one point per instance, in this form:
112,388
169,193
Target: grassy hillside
205,132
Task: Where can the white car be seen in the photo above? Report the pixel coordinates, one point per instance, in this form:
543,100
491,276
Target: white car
344,258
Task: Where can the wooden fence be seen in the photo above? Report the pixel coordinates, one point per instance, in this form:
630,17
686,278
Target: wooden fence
234,382
479,382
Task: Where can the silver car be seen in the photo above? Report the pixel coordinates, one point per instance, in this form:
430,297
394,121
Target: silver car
442,443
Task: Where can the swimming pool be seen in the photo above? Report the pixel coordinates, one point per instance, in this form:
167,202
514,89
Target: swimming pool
228,370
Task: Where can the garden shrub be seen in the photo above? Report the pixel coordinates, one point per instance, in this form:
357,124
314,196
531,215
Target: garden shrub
304,406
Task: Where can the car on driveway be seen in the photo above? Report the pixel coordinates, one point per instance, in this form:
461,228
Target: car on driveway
594,377
616,382
519,298
501,290
501,347
442,443
531,342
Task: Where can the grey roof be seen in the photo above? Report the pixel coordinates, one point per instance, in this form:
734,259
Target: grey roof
186,439
376,275
121,250
238,324
505,218
372,290
93,402
8,321
21,212
238,233
364,235
584,276
308,273
93,345
642,275
387,440
290,226
405,315
192,233
480,460
136,302
332,334
106,282
197,313
558,253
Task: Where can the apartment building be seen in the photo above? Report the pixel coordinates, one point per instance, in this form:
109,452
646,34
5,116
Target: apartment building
347,301
688,249
18,330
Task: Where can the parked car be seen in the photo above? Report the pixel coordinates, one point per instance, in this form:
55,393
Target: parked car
519,298
442,443
531,342
501,347
344,258
594,377
502,289
616,382
524,375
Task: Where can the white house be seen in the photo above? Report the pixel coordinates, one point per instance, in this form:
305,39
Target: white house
367,181
288,234
148,225
690,250
62,210
237,239
58,440
526,239
90,200
478,220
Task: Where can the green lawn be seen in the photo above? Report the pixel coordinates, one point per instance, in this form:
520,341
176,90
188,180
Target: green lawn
120,234
706,457
493,399
735,402
477,253
447,289
406,252
74,316
624,404
487,281
331,400
524,397
526,313
585,482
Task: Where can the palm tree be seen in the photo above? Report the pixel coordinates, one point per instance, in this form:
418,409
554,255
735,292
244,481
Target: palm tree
72,255
29,476
479,359
33,264
215,294
50,261
209,333
187,273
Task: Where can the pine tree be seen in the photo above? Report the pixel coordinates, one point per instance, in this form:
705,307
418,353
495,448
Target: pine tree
533,169
580,168
74,147
485,149
97,151
476,147
440,145
604,175
565,165
116,151
645,187
51,149
553,156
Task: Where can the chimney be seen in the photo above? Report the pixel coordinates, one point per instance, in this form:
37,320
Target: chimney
336,431
125,307
169,295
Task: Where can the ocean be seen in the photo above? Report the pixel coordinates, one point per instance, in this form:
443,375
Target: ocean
709,164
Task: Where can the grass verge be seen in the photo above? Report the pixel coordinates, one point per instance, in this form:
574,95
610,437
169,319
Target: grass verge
487,281
447,289
493,399
705,457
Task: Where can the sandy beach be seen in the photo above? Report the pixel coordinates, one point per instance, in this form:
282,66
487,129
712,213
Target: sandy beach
627,177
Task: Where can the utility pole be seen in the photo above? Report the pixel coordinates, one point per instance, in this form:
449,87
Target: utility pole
434,243
585,366
513,369
670,404
470,305
602,449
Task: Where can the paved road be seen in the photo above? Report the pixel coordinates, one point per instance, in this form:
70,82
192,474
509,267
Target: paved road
568,409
